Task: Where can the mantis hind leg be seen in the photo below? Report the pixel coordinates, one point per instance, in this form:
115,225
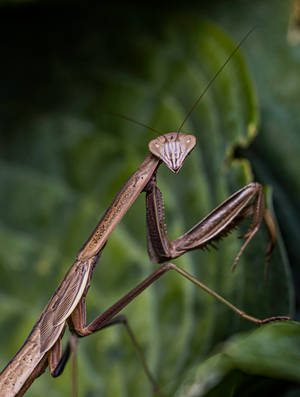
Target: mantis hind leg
78,327
58,360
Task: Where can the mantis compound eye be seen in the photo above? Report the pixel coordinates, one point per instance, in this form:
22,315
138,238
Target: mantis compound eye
172,149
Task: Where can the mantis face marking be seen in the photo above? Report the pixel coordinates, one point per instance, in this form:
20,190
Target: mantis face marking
172,149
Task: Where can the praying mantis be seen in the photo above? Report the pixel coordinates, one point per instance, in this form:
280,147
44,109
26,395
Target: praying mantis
67,305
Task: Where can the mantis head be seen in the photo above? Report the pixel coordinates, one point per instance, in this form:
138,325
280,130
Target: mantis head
172,149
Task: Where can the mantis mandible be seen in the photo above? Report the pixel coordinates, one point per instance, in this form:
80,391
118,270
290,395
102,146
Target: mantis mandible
67,305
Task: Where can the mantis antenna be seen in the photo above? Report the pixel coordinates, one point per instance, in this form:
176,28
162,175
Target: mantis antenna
214,78
201,95
137,122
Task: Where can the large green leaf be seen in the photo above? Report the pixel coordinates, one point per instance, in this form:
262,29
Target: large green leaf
65,157
247,362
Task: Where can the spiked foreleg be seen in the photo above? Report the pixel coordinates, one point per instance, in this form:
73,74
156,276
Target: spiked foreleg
159,248
217,224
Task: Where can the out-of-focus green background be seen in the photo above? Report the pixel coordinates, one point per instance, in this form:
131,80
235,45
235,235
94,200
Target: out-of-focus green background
65,68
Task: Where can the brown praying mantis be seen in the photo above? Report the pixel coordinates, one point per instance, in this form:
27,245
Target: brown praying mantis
67,305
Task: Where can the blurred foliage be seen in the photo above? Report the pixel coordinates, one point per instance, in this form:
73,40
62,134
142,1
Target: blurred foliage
65,69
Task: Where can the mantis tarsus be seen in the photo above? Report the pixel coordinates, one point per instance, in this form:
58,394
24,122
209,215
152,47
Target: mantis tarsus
67,305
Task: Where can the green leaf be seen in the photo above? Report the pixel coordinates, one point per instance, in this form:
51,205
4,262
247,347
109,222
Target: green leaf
270,352
65,158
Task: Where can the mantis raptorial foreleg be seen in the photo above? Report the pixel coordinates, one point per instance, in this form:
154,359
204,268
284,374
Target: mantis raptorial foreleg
214,226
